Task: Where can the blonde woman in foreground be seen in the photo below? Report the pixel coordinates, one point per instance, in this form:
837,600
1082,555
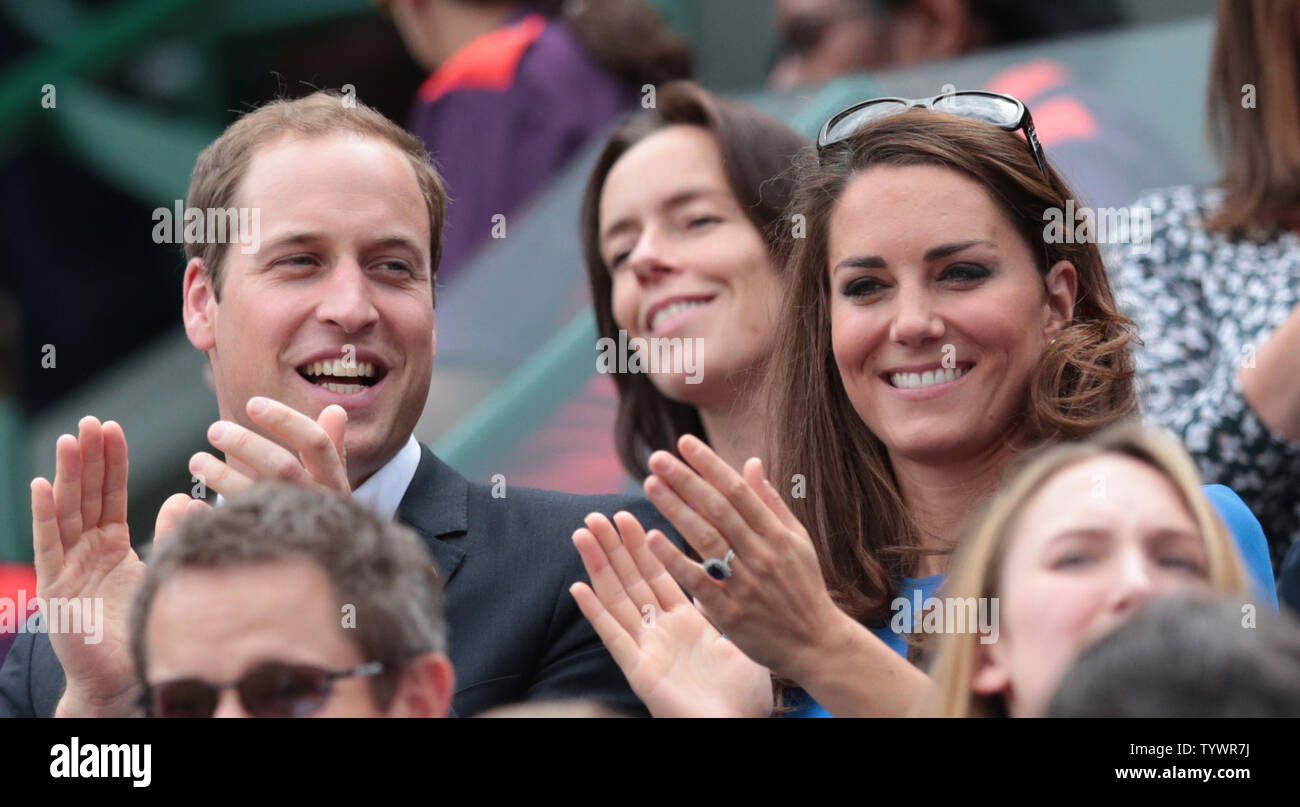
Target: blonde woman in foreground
1072,546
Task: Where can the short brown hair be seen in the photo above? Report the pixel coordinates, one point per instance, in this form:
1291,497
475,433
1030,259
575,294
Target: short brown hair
222,165
758,153
379,567
1257,42
866,538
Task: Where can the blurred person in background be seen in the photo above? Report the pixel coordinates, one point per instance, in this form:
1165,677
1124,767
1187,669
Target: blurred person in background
819,40
291,602
517,88
1217,294
1076,543
1188,656
1102,148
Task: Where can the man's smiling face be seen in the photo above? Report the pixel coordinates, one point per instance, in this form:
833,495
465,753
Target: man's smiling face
343,271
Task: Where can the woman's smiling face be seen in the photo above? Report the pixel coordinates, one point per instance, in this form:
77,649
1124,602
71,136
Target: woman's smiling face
685,261
938,312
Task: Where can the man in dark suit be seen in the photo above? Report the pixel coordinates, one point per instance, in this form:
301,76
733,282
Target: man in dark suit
322,309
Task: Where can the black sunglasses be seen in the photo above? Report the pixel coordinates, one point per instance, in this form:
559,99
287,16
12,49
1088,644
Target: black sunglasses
272,689
1003,111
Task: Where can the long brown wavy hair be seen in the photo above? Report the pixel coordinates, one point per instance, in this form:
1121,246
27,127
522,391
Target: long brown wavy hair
866,538
1257,138
758,155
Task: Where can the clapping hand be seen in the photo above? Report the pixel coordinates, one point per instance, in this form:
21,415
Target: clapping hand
82,549
775,606
675,660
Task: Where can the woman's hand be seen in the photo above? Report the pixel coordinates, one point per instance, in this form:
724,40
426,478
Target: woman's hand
675,660
775,605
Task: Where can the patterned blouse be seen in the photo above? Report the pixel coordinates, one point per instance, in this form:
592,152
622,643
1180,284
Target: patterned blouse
1204,305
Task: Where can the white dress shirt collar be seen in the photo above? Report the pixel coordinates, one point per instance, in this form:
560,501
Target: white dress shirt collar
384,490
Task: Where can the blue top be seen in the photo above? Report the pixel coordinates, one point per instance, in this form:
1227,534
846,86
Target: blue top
1241,522
1250,538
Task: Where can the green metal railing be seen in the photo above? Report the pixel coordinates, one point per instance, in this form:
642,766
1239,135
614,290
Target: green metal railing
15,510
95,43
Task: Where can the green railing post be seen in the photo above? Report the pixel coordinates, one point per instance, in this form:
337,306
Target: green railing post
15,518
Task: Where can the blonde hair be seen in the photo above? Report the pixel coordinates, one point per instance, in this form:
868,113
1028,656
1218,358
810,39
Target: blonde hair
977,566
222,165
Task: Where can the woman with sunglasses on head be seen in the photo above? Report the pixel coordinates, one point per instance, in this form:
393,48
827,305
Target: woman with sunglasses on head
929,334
1075,544
681,228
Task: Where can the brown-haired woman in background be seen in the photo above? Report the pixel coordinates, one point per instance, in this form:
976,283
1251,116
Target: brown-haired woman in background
683,236
1217,292
927,335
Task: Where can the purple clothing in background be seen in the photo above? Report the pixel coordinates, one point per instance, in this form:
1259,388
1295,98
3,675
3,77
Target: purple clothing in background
496,147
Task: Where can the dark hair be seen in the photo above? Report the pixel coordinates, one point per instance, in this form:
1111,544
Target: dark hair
1005,22
865,536
377,566
1188,657
1011,21
757,153
1257,42
629,38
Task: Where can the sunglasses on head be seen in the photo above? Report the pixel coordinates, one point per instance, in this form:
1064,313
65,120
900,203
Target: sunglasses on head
1002,111
271,689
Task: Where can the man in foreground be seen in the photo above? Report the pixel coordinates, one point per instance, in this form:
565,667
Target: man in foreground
291,602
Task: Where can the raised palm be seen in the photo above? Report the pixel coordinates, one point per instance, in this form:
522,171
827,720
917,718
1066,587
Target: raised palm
674,659
83,554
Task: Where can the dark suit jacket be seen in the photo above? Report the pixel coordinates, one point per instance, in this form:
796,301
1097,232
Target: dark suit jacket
515,632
